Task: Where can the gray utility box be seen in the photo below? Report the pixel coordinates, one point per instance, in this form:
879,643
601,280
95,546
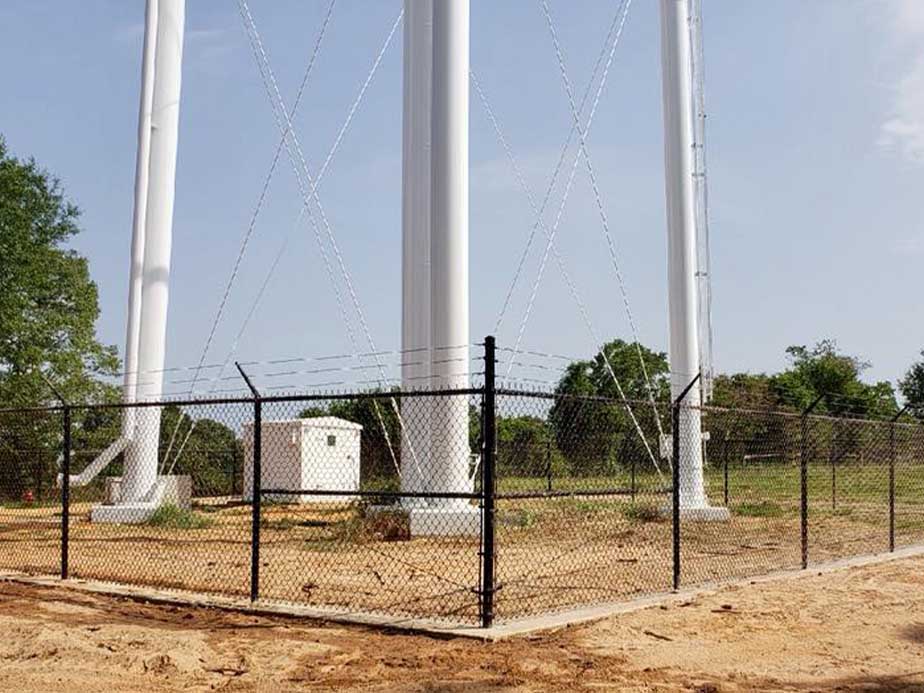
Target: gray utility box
320,453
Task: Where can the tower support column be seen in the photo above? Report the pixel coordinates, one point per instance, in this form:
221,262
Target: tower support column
415,246
676,84
141,458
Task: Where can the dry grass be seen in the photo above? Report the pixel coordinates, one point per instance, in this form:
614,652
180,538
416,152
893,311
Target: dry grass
553,554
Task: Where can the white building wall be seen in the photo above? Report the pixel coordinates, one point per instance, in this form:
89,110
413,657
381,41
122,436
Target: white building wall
297,454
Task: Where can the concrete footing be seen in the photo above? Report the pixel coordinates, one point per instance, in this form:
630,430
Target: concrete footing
705,513
450,520
168,490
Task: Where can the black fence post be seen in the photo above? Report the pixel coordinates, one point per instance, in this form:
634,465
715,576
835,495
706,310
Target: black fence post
488,490
66,495
65,476
803,480
892,454
725,468
675,493
892,487
256,490
548,464
675,479
632,482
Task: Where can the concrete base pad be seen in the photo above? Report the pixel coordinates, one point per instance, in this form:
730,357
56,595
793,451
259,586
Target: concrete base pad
123,513
452,520
706,513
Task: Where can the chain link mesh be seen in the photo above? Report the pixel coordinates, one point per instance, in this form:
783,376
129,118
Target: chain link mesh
374,502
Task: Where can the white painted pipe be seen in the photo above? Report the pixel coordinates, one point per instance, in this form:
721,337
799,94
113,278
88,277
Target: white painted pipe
142,163
449,298
415,231
140,473
681,246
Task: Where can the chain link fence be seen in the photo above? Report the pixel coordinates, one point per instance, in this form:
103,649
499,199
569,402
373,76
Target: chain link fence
468,506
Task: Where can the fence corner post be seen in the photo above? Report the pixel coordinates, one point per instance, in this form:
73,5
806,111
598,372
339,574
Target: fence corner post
65,475
675,479
675,493
256,490
66,494
488,488
892,455
803,479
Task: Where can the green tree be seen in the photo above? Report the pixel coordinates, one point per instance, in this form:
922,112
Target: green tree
48,303
822,371
744,391
48,310
590,421
524,446
205,449
912,387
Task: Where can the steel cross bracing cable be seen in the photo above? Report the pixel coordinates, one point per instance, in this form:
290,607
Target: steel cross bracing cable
266,183
253,222
561,265
568,187
555,173
280,109
271,87
288,131
551,235
601,210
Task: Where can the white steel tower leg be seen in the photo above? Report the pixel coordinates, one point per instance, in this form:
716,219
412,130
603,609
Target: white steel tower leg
141,457
681,230
449,297
136,270
142,164
415,228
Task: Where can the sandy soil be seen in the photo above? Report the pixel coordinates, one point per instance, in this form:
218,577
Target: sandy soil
854,630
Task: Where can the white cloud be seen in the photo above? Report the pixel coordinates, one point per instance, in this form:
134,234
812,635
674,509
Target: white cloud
903,129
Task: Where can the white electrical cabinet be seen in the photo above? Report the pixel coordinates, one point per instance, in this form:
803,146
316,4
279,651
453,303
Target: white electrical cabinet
313,454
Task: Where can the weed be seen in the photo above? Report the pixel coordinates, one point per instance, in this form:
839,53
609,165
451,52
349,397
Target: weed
643,512
170,516
522,518
761,509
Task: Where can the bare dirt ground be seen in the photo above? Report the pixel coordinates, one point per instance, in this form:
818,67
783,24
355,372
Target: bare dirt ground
860,629
552,555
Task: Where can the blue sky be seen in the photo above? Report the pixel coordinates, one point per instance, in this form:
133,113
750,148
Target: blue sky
816,146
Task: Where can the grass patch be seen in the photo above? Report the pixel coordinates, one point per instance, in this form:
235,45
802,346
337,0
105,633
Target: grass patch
643,512
761,509
522,518
170,516
381,525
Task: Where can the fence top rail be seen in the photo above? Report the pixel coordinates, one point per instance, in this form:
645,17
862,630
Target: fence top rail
549,394
268,399
791,414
